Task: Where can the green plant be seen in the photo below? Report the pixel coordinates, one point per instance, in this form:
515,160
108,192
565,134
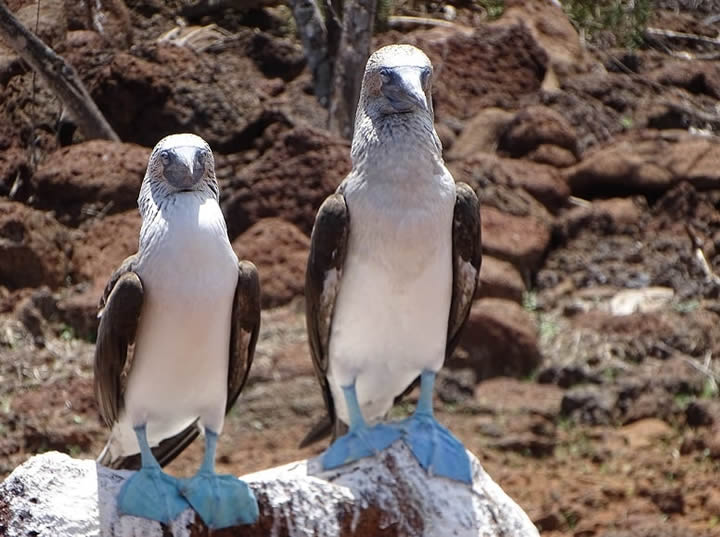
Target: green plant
493,8
625,19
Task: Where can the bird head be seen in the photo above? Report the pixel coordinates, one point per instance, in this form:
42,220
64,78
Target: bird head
182,162
397,80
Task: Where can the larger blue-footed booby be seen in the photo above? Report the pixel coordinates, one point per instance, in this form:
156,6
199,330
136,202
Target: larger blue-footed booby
393,267
178,325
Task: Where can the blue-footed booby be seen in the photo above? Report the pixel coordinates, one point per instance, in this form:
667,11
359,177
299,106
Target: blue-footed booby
178,325
393,266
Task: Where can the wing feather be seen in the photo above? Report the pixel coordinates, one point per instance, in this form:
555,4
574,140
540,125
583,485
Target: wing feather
328,246
244,330
467,259
120,305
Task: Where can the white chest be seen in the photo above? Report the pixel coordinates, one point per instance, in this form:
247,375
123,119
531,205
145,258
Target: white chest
390,318
189,274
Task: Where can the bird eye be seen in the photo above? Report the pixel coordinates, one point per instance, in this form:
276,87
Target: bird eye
384,75
200,158
165,157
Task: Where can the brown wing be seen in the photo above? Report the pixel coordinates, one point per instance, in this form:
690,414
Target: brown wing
328,245
467,258
244,330
120,305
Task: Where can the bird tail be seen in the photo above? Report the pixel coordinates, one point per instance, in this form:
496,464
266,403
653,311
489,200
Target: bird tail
325,427
164,452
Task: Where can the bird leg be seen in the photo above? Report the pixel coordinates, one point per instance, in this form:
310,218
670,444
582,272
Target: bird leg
361,440
433,445
150,492
221,501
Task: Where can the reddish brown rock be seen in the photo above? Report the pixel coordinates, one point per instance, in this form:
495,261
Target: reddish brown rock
552,155
500,339
513,396
109,18
521,240
290,180
160,88
500,279
554,33
646,432
494,65
696,77
50,19
279,250
14,168
534,126
543,182
34,248
612,215
480,134
648,162
104,243
83,179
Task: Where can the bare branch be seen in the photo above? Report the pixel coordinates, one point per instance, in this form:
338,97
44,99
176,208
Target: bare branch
59,75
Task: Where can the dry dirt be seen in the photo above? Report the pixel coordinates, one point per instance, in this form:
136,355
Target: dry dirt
587,380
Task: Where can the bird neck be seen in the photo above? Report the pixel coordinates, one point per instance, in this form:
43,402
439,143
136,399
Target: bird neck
384,139
157,196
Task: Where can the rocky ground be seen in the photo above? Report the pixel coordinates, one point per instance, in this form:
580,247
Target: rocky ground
586,381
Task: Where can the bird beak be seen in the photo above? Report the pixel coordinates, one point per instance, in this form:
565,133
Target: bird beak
404,89
184,172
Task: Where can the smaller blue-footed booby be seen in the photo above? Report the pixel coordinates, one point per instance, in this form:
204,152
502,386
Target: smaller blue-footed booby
393,266
178,325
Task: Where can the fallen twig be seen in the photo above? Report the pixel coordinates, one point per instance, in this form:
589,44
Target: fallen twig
403,21
700,256
671,34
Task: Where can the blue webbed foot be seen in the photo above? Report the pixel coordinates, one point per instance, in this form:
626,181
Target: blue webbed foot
436,449
150,492
433,445
359,443
221,500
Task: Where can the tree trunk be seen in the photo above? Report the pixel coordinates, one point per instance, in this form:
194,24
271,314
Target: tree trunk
59,75
353,52
314,36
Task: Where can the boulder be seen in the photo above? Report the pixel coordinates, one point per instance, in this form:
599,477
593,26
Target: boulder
500,339
86,178
104,243
492,66
542,182
34,248
647,162
500,279
156,89
592,405
534,126
388,495
554,34
290,180
697,77
280,252
480,134
521,240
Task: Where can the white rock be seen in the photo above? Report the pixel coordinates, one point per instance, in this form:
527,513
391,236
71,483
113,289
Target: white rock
53,494
645,300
